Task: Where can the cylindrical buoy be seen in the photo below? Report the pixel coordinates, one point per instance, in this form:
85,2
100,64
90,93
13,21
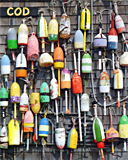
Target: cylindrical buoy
65,79
15,93
13,133
44,93
12,38
21,65
23,34
5,65
53,31
3,97
43,128
28,125
112,36
35,102
42,29
86,63
35,105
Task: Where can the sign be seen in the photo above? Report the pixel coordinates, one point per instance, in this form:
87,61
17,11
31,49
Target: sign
18,11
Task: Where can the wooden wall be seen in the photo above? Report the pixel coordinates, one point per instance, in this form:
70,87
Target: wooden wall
51,151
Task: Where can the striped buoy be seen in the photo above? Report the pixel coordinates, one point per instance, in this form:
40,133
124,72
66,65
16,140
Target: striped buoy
118,80
44,127
3,97
86,63
112,36
15,93
119,24
42,27
98,130
21,65
44,93
65,79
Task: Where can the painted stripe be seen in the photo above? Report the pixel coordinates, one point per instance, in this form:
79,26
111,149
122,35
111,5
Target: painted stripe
98,130
117,80
86,60
86,68
43,133
69,137
43,128
104,89
119,24
5,69
85,17
112,38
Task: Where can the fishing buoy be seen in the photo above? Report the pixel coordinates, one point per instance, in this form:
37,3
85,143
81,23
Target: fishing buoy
112,39
58,62
104,83
112,134
60,138
12,38
42,29
21,65
53,31
98,132
76,89
3,97
118,83
118,20
13,133
23,34
35,106
45,60
28,124
123,60
3,131
43,130
78,39
72,139
5,68
54,91
112,36
5,65
15,97
32,48
123,126
85,22
64,27
86,63
44,93
100,41
65,79
23,108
